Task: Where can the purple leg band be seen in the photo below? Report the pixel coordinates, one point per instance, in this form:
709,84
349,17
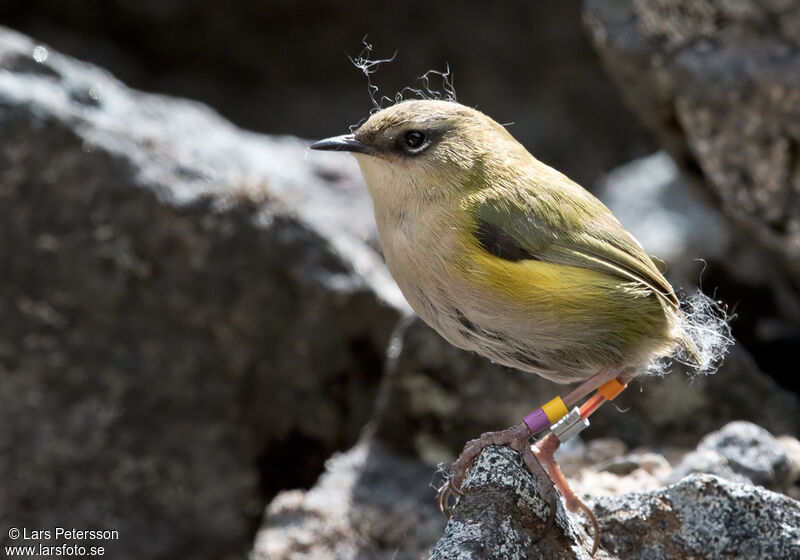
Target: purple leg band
537,421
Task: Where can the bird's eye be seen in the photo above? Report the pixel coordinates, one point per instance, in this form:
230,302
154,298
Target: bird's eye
414,141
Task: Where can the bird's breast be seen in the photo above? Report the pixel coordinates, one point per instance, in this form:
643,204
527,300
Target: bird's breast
421,252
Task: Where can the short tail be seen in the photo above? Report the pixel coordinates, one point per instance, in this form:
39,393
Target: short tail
705,333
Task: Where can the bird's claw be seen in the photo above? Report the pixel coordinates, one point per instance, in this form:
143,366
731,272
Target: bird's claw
446,491
518,438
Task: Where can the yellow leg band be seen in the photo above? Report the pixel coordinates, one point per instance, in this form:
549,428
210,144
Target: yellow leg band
555,410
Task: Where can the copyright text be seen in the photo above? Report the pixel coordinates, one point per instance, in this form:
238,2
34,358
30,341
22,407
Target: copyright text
58,541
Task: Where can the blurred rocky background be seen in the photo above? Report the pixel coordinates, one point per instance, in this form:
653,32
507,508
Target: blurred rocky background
201,348
282,67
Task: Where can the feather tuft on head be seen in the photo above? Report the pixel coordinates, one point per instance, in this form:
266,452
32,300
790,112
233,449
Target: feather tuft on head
427,90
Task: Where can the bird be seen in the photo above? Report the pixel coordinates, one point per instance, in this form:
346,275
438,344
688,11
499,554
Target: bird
507,257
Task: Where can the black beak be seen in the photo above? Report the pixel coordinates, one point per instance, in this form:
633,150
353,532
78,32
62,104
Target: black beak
343,143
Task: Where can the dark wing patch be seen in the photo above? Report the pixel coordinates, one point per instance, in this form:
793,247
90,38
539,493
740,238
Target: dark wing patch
496,242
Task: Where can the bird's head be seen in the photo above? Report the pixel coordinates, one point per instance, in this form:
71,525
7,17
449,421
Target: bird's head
423,150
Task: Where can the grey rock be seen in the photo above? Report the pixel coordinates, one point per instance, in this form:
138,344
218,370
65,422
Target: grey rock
742,452
503,513
185,319
702,516
636,471
791,446
707,461
719,82
370,503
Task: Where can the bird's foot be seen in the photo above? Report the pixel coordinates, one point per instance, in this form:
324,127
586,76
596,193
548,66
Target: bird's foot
545,450
517,438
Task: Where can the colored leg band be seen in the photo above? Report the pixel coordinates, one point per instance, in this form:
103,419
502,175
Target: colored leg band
537,421
555,410
570,426
541,418
611,389
594,402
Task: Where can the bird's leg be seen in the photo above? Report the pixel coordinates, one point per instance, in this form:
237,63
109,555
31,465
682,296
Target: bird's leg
517,438
603,376
609,383
544,450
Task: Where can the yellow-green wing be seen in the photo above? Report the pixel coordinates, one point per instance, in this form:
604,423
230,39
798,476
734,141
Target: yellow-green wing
562,224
